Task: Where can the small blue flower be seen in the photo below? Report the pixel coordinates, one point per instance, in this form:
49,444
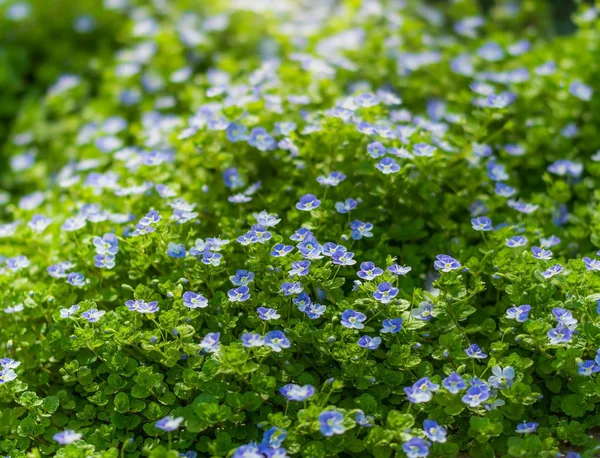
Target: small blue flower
368,271
67,437
308,202
210,258
391,325
454,383
141,306
265,219
68,313
301,234
399,270
516,241
76,279
416,448
274,437
473,351
387,166
314,310
502,378
424,150
592,264
210,342
541,253
423,312
176,250
385,292
104,261
587,368
276,341
581,91
446,263
503,190
291,288
370,343
564,317
281,250
434,432
169,423
297,393
560,335
363,420
527,427
482,223
300,268
108,244
476,396
302,301
236,132
360,229
376,150
240,294
421,391
242,278
261,139
345,207
519,313
250,340
333,179
194,300
343,258
93,315
331,422
352,319
267,314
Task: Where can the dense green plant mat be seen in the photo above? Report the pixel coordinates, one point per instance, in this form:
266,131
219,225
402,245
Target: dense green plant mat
268,229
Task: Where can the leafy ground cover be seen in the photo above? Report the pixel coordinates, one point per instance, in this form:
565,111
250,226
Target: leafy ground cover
269,229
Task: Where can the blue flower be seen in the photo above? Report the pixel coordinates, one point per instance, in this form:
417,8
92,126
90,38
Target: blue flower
391,325
541,253
297,393
290,288
502,378
421,391
302,301
210,258
416,448
482,223
434,432
176,250
473,351
169,423
363,420
564,317
247,451
587,368
267,314
592,264
7,375
333,179
387,166
446,263
423,312
261,139
300,268
104,261
240,294
581,91
281,250
491,51
107,244
141,306
314,310
68,313
370,343
520,313
424,150
527,427
503,190
265,219
399,270
242,278
343,258
516,241
76,279
310,248
301,234
475,396
67,437
330,423
559,335
250,339
260,233
385,292
236,132
8,363
352,319
345,207
276,341
368,271
274,437
239,198
232,178
39,223
454,383
194,300
564,167
93,315
308,202
152,217
210,342
360,229
376,150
